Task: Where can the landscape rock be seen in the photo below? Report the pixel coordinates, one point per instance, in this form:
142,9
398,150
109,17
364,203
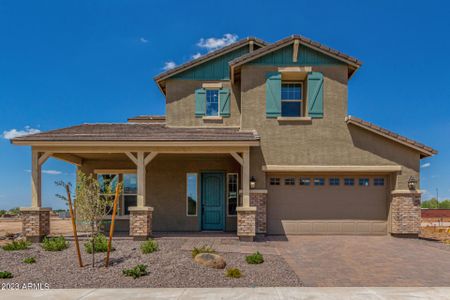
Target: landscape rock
210,260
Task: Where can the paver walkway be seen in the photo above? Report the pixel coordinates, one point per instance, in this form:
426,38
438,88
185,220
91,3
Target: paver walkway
366,260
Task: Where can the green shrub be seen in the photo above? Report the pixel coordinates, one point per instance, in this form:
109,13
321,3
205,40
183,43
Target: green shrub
5,275
17,245
149,246
100,244
29,260
255,258
136,272
58,243
234,273
202,249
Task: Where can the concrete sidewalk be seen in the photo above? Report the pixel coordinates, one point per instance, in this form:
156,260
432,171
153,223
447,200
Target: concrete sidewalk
232,293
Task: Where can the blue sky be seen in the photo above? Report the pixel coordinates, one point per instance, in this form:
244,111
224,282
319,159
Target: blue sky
68,62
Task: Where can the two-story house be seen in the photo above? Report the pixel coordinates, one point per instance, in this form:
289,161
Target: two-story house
256,139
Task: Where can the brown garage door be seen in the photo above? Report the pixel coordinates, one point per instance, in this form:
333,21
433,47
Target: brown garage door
327,204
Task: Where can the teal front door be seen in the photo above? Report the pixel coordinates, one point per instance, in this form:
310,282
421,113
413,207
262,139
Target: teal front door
213,198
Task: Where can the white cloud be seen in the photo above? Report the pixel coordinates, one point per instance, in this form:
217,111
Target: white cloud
169,65
143,40
212,43
49,172
13,133
425,165
196,55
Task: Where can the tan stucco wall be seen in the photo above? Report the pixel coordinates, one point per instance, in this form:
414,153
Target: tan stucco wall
166,186
180,104
327,141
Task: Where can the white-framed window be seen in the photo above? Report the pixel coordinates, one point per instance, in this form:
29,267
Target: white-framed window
128,196
274,181
363,181
334,181
212,102
378,181
292,104
232,193
289,181
191,194
305,181
349,181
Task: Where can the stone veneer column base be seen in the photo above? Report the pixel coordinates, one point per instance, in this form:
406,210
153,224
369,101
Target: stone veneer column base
141,222
258,199
246,223
405,213
35,223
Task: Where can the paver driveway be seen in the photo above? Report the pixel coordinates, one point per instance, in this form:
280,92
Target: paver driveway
366,260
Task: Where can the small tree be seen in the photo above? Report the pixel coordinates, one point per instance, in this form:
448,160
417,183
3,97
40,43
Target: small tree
93,202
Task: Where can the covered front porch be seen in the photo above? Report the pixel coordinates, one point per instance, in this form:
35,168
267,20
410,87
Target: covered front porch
167,187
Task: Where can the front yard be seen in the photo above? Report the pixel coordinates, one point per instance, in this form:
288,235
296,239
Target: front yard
171,266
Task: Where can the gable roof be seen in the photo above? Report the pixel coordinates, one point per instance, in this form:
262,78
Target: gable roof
424,150
204,58
352,62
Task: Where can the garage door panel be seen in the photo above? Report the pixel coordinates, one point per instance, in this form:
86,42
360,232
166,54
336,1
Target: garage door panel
295,209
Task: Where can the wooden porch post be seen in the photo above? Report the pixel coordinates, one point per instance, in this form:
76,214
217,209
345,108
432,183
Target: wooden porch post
141,179
246,179
36,200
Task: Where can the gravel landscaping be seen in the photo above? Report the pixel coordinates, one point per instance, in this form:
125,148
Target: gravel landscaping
168,267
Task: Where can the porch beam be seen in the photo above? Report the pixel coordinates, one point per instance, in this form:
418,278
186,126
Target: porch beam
70,158
150,157
295,51
141,179
237,157
246,179
132,157
43,157
36,200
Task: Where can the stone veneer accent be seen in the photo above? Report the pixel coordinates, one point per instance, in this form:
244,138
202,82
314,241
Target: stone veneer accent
141,222
405,212
246,223
35,223
258,199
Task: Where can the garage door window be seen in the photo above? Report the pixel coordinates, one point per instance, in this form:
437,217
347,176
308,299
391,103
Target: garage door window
319,181
364,181
289,181
305,181
378,181
274,181
334,181
349,181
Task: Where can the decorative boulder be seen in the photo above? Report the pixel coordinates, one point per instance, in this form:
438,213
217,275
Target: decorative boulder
210,260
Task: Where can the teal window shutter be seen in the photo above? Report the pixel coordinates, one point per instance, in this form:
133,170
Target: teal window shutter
315,95
200,102
273,94
224,96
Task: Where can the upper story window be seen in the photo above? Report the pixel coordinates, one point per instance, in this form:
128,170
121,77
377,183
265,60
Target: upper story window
292,99
212,102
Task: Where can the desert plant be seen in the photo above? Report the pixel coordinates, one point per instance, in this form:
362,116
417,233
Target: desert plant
255,258
93,203
136,272
100,244
202,249
29,260
149,246
17,245
58,243
233,273
5,274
